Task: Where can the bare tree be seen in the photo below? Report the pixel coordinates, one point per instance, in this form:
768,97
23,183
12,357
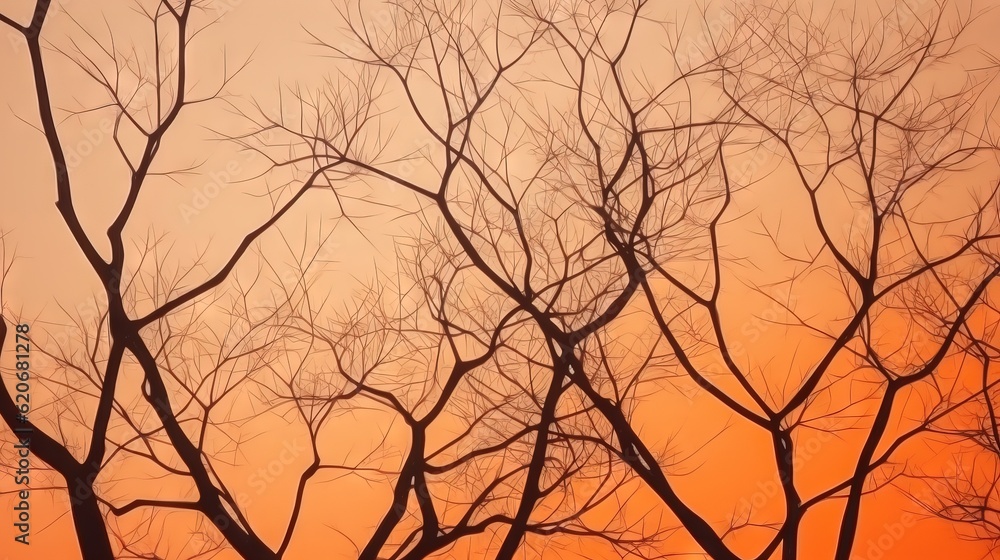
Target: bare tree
558,240
855,121
145,103
585,174
652,180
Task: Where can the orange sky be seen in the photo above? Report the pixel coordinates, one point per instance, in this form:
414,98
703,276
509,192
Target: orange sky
727,463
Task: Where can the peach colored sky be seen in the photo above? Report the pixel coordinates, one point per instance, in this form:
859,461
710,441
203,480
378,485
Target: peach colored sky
51,275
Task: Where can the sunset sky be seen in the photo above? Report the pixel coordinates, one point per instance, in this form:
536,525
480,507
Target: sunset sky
370,238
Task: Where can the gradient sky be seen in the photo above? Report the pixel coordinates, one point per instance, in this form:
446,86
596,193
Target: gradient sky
50,276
